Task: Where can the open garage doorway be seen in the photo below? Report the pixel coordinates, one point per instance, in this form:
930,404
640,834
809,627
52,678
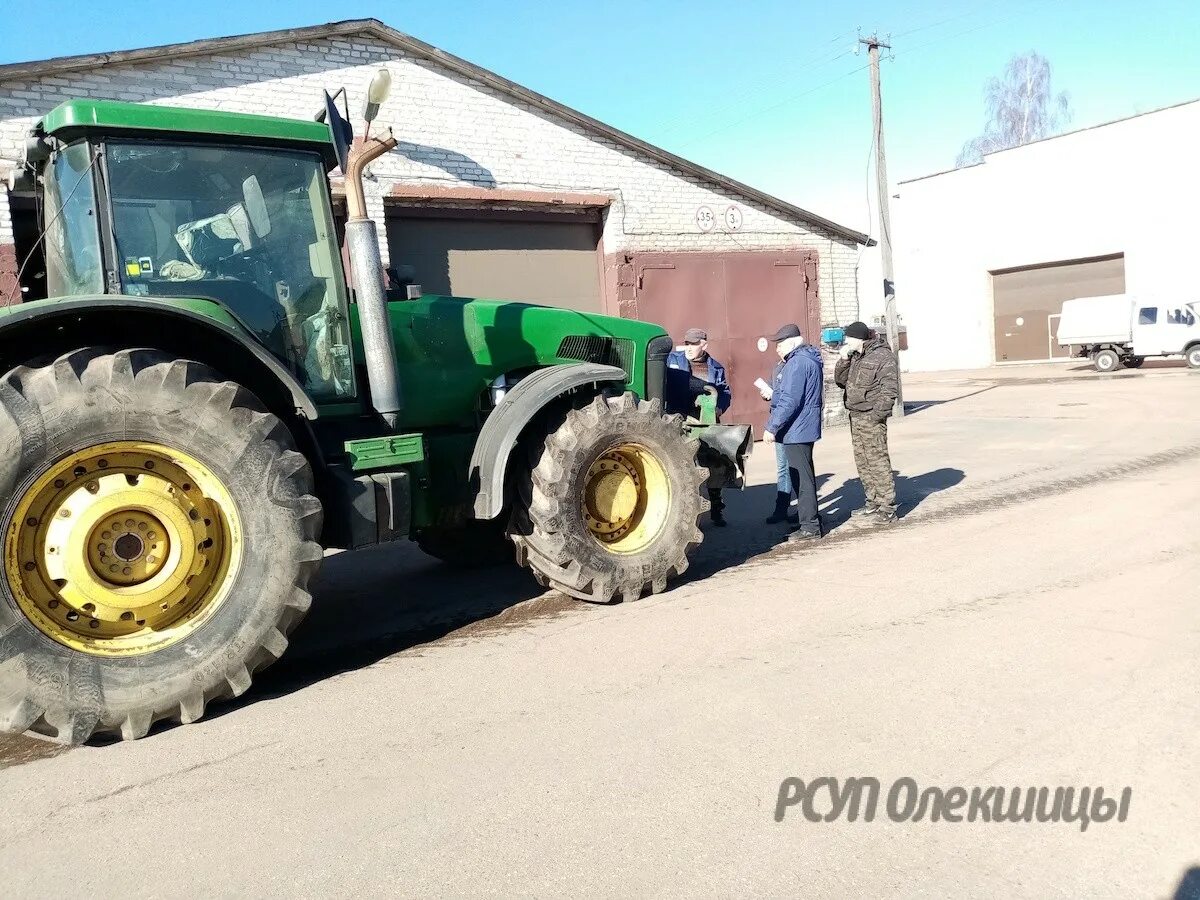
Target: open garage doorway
539,257
1028,300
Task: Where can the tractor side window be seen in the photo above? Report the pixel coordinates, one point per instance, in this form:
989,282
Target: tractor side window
249,228
73,263
1148,315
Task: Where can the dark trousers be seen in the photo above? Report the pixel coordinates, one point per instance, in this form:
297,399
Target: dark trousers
800,459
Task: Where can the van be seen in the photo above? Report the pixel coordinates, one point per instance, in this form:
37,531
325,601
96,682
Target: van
1123,330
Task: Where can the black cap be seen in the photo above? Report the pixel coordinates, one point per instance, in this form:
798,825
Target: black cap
857,330
787,331
695,336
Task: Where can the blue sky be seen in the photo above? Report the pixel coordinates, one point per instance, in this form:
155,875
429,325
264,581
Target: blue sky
763,90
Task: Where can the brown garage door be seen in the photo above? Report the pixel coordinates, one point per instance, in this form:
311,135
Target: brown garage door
1028,300
737,298
540,258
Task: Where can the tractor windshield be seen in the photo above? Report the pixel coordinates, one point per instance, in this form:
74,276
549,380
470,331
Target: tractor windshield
249,228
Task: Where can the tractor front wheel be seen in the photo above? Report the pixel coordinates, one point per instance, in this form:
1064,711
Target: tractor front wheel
159,532
610,504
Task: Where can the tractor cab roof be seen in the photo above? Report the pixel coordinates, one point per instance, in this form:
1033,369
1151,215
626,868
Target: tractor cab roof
76,118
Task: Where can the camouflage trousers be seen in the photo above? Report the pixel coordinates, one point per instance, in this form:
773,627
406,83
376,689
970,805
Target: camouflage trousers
874,465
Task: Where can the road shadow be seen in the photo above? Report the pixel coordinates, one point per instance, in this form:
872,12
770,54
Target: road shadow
1189,885
371,604
911,490
917,406
746,536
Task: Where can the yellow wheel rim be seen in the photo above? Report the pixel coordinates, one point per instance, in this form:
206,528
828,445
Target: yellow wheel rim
123,548
626,498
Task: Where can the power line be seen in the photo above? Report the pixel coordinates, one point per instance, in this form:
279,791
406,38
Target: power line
940,22
774,106
755,88
1013,11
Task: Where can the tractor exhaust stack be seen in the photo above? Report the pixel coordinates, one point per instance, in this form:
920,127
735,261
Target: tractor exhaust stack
363,243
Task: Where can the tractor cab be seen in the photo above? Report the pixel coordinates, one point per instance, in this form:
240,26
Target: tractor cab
149,202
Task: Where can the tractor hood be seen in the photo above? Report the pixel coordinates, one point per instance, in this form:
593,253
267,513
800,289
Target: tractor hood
450,349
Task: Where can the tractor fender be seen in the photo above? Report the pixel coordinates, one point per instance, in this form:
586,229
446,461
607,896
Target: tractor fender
502,430
58,326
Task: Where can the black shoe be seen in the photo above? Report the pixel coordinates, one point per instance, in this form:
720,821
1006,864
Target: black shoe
718,518
781,509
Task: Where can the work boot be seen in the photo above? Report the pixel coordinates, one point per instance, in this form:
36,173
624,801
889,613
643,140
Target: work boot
803,537
884,516
718,507
781,509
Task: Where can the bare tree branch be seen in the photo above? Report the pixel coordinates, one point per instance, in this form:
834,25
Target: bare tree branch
1021,107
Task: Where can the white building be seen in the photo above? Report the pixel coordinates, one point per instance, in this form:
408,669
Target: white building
494,190
986,254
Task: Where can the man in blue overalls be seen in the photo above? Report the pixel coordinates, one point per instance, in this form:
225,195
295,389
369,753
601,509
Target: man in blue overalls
688,369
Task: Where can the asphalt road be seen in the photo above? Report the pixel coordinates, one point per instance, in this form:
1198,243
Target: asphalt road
1032,621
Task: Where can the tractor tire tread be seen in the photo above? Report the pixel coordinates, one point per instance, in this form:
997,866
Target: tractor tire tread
61,694
545,511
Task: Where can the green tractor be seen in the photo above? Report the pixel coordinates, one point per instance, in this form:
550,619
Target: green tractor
200,408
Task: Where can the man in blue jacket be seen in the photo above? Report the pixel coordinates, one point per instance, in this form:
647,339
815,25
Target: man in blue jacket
795,422
688,371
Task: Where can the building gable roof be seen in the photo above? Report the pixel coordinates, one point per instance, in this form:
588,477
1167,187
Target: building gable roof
375,29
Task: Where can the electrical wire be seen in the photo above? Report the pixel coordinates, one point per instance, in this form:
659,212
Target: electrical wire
676,122
940,22
1013,12
46,229
870,217
774,106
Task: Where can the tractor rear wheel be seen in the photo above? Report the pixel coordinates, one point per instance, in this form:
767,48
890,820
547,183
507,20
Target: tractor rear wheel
611,502
159,534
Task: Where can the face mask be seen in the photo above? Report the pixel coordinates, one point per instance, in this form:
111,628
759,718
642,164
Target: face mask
855,344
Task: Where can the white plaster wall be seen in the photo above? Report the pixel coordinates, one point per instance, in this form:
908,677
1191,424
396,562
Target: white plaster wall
1129,187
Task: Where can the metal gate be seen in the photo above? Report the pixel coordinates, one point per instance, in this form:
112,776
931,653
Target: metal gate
737,298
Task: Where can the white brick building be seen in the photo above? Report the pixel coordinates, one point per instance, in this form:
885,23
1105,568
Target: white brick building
494,190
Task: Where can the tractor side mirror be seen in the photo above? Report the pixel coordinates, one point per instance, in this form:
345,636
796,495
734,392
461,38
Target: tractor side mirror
256,207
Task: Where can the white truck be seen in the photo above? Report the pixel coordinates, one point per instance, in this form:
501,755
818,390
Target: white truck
1122,330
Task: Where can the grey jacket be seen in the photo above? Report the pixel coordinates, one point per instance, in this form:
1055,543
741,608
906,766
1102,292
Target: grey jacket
869,380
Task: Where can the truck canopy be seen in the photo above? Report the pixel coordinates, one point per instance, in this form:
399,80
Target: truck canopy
1096,320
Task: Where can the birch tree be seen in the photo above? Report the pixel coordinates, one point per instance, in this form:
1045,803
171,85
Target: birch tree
1021,107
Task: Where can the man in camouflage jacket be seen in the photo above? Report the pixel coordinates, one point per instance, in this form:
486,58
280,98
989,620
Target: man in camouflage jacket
868,376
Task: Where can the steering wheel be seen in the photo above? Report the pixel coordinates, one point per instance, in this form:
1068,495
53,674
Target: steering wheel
246,265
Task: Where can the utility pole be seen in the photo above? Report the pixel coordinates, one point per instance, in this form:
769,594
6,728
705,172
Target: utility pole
885,222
